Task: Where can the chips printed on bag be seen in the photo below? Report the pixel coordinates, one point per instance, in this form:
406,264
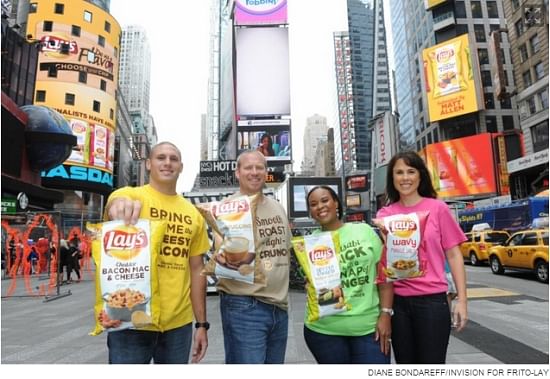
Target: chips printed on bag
447,71
318,256
401,255
232,220
126,273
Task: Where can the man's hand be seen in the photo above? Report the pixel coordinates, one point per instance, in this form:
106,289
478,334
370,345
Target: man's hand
106,322
125,209
200,345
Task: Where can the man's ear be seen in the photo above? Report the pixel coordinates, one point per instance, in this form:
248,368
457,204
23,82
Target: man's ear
148,164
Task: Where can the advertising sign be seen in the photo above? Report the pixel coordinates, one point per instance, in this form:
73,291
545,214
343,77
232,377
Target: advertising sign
260,12
382,140
273,144
299,188
462,167
497,65
428,4
353,201
262,71
450,83
218,174
356,183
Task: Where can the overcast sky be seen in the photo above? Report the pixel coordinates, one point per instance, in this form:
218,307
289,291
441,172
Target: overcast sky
179,36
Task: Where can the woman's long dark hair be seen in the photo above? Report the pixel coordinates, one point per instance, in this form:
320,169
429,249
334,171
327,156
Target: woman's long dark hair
270,150
334,196
411,158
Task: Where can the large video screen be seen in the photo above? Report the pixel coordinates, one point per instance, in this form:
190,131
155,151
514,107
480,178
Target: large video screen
274,145
299,188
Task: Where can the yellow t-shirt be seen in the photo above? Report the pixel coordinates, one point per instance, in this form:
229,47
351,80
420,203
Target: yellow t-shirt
185,236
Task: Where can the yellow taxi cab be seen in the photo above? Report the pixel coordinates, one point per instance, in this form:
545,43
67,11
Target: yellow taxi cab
525,250
476,247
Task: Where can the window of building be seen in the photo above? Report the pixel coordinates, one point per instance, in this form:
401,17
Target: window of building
82,77
506,103
523,55
52,71
486,78
483,56
436,135
103,85
97,106
479,31
69,98
494,28
491,124
508,123
539,135
460,9
492,10
107,27
539,71
75,30
48,26
476,9
532,105
111,114
461,29
87,16
535,44
33,7
526,78
515,4
543,97
40,96
520,27
59,8
101,40
489,101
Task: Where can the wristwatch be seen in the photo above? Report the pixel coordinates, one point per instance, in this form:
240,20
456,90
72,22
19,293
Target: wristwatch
205,325
387,310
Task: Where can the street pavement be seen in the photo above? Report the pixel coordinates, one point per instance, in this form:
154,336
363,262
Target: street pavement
53,329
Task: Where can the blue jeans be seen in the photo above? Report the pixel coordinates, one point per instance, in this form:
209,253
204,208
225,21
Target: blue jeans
344,349
421,327
253,332
140,346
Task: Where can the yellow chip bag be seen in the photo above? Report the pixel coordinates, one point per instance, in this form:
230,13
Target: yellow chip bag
127,287
232,223
317,254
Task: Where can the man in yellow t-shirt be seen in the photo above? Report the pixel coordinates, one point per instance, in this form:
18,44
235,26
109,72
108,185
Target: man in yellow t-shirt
182,288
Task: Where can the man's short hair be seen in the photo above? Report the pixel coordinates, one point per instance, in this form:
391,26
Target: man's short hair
165,143
247,152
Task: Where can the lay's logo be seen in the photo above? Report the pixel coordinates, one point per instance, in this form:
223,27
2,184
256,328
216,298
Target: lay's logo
125,242
444,55
403,228
321,255
228,207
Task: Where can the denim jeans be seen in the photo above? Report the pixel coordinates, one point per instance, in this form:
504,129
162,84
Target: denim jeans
344,349
253,332
140,346
421,327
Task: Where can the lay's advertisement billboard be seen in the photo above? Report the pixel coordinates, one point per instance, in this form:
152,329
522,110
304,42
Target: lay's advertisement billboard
449,79
462,167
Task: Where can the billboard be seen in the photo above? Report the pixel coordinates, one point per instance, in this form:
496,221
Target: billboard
428,4
499,80
357,183
78,78
260,12
383,140
299,187
462,167
450,80
274,143
215,174
262,71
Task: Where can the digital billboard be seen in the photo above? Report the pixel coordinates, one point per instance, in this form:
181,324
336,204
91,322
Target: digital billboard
274,144
462,167
262,71
428,4
260,12
450,79
77,76
300,186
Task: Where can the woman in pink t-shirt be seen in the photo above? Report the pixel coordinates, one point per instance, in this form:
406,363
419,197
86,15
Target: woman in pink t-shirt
421,325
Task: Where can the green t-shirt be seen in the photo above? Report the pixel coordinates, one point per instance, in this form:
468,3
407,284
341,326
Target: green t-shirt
360,250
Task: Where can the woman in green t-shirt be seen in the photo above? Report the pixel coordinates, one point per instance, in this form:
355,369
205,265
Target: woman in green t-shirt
361,334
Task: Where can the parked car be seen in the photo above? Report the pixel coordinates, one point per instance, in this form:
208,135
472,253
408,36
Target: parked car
525,250
476,248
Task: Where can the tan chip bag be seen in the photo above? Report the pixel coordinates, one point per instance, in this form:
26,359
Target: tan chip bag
232,223
126,283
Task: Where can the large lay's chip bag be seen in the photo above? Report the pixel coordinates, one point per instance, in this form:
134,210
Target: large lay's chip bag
318,256
232,221
401,256
126,273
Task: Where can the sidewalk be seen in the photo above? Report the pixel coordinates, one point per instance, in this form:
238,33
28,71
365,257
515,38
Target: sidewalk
56,331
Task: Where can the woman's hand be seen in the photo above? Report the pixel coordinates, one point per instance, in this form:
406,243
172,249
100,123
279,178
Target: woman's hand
460,315
383,332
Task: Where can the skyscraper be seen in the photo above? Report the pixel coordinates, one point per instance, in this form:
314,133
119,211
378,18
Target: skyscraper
316,131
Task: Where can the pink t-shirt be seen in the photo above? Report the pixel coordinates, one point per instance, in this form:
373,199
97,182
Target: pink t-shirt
441,233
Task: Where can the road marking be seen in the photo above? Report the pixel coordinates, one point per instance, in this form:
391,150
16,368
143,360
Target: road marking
488,292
